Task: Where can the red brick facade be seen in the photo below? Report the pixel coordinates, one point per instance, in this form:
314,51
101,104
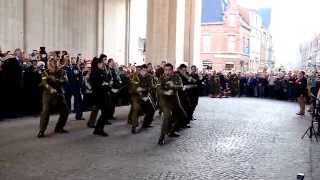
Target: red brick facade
225,45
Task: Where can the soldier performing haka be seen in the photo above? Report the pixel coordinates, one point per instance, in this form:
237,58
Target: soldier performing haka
116,86
53,96
186,97
141,100
195,91
169,102
94,113
100,87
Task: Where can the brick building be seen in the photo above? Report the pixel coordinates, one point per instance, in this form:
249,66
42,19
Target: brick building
310,54
225,35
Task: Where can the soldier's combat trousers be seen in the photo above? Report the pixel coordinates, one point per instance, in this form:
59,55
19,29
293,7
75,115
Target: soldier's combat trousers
112,105
103,105
170,110
50,101
93,117
138,107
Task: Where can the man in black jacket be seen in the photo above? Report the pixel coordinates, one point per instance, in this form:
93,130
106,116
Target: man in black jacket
301,86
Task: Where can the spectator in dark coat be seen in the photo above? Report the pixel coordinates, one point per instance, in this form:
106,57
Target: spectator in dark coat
301,86
73,88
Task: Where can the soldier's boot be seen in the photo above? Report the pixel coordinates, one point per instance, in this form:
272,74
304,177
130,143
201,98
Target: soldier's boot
134,130
100,133
161,140
41,134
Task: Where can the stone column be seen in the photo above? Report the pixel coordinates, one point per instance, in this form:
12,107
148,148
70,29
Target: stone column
192,33
12,27
165,31
115,29
100,26
157,31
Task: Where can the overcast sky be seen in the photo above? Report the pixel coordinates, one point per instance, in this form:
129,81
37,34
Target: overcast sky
293,22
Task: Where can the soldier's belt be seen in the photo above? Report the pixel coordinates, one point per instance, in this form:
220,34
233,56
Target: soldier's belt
186,87
168,93
105,84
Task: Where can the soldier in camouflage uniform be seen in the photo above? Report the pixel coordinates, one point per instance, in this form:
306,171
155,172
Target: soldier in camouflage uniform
141,100
53,97
170,83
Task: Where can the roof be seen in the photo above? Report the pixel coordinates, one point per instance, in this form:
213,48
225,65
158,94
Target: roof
265,14
213,10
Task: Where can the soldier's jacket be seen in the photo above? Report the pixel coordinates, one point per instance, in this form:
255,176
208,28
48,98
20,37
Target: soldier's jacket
53,81
169,85
115,79
99,82
143,82
197,90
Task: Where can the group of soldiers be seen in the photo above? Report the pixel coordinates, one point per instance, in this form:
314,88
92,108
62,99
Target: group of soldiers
173,93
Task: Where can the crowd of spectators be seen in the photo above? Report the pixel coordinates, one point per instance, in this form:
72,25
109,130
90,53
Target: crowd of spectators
21,73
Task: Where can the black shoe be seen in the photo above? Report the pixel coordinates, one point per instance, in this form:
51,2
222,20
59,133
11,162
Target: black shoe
147,126
300,114
61,131
108,123
41,135
100,133
174,135
90,125
186,126
133,130
161,141
80,119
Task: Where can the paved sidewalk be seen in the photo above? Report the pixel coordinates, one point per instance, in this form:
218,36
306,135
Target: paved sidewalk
240,138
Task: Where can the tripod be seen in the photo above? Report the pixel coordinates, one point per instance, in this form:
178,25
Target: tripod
315,118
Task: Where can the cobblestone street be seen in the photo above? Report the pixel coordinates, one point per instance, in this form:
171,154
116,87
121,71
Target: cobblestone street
239,138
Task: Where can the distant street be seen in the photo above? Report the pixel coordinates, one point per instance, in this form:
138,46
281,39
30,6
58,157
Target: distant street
235,138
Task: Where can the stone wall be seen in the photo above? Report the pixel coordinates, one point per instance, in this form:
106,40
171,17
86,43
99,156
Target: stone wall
86,26
12,27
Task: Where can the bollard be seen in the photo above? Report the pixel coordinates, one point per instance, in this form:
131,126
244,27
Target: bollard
300,176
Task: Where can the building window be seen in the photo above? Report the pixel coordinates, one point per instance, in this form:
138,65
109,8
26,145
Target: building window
229,67
246,45
206,43
142,44
232,43
207,64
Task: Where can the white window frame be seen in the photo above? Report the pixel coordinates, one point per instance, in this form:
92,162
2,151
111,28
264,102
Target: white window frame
232,43
207,43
